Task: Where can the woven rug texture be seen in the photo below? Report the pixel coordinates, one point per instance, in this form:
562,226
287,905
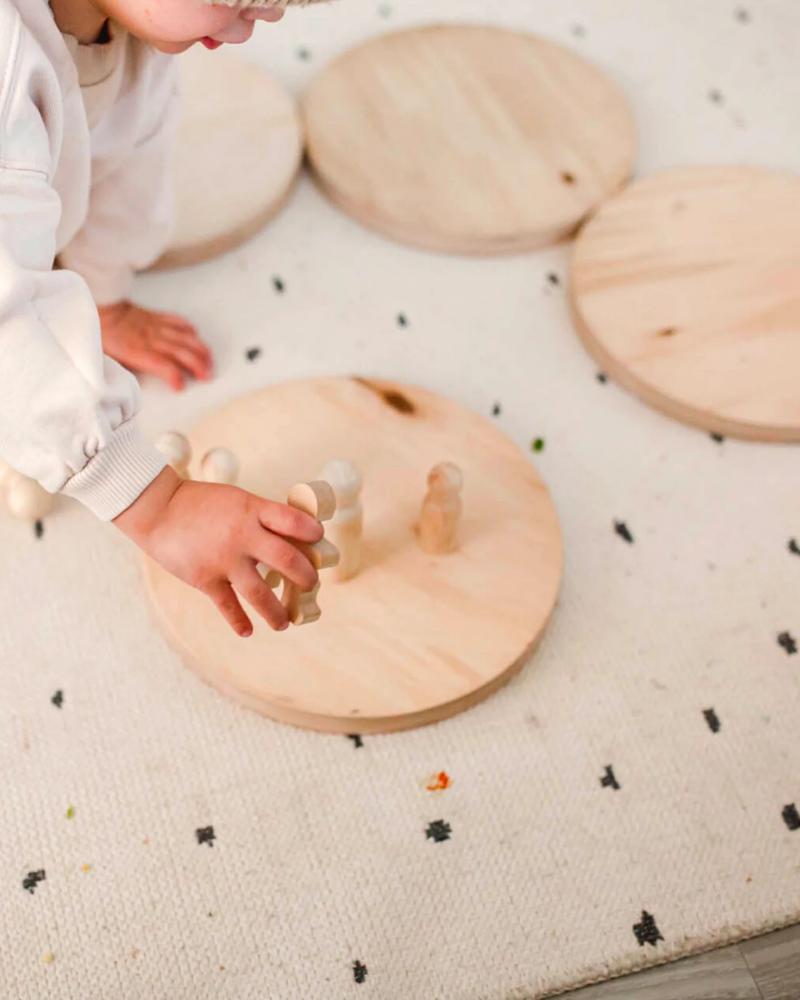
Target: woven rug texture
632,797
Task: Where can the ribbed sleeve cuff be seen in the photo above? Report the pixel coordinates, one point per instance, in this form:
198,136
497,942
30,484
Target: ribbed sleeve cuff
116,476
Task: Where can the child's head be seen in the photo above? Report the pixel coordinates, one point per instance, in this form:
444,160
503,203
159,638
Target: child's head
173,26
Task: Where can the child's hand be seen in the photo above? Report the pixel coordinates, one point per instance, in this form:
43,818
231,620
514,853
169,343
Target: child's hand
213,536
153,342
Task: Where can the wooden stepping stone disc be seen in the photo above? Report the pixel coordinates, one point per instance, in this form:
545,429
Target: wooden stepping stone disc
239,153
412,638
468,139
686,289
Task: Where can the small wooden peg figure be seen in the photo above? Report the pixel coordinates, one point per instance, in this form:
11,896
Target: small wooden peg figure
441,510
177,451
219,466
346,526
26,499
318,500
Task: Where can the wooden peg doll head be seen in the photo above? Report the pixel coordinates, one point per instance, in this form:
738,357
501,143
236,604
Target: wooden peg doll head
219,466
176,449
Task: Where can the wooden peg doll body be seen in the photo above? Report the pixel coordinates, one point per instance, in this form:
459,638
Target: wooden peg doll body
318,500
437,529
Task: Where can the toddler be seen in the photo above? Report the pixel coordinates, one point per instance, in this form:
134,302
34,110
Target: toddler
87,119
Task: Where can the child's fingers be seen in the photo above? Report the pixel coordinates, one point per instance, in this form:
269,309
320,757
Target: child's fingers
192,361
261,598
229,607
288,521
153,363
276,552
189,342
186,337
175,321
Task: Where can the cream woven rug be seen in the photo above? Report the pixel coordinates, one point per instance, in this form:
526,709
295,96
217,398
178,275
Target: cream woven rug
629,799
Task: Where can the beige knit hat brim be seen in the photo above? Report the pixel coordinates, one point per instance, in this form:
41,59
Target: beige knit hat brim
264,3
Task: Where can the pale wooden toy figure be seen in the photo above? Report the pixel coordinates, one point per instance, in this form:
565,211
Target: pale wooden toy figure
318,500
177,451
219,465
437,530
25,498
346,526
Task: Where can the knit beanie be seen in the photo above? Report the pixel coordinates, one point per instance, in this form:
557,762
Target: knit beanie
265,3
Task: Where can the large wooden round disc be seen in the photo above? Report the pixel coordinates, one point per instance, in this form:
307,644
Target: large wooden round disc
686,288
413,638
239,152
468,139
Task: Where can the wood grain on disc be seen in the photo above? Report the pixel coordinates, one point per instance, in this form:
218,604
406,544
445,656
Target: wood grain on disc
686,288
413,638
239,153
468,139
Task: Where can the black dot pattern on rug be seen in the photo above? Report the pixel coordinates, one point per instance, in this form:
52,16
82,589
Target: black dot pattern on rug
357,741
791,817
715,96
32,879
384,10
554,279
58,698
205,835
359,972
742,15
497,409
38,528
623,531
253,353
578,31
787,641
438,831
601,377
646,930
278,284
402,319
712,719
609,779
719,438
304,54
793,547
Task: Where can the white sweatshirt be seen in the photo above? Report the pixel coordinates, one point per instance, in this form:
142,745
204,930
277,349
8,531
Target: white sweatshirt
100,200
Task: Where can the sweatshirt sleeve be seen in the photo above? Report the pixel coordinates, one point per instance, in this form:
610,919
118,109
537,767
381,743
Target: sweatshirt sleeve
66,411
131,206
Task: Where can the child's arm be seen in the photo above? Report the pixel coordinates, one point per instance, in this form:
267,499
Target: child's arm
66,411
67,419
213,537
